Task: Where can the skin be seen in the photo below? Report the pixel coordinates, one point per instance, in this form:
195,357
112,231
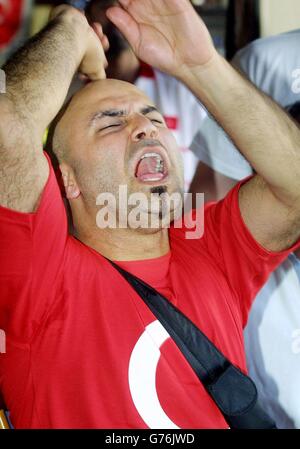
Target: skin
122,62
162,33
38,79
103,154
270,202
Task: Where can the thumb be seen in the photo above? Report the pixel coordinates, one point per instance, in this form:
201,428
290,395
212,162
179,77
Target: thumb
126,24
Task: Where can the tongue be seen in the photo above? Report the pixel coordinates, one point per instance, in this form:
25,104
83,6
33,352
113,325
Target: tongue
146,169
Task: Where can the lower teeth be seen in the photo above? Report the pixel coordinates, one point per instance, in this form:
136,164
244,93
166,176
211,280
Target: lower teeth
159,167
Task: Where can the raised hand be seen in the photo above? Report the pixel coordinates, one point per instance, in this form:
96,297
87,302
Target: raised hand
167,34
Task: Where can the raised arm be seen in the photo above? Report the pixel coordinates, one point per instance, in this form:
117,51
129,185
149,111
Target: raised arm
169,35
38,79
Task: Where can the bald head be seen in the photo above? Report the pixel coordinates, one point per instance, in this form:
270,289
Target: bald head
105,138
103,90
92,99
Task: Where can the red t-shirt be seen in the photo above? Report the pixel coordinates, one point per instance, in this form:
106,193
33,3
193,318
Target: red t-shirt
84,351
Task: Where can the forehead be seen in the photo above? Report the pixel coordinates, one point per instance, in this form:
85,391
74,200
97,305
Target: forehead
108,94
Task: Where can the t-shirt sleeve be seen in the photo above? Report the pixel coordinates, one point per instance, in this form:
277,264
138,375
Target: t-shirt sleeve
31,253
245,263
271,64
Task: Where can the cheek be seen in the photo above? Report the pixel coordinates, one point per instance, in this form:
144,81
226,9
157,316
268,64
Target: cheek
111,152
109,164
107,149
169,140
173,148
113,157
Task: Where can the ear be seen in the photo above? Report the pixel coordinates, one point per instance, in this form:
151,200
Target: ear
71,187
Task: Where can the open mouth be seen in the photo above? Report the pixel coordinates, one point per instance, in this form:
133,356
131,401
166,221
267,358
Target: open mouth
151,167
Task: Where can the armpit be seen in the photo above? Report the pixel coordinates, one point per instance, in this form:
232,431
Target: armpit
22,182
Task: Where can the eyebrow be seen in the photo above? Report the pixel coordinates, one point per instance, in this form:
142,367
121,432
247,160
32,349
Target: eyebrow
120,113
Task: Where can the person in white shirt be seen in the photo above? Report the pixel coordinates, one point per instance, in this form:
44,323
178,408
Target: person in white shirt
272,336
273,65
272,343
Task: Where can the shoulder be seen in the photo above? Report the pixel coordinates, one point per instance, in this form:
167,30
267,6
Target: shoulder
270,64
269,46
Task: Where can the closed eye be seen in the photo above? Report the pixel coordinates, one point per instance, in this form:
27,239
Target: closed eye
155,120
110,126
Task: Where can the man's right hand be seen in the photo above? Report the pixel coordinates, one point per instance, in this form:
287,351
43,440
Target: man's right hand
95,43
38,79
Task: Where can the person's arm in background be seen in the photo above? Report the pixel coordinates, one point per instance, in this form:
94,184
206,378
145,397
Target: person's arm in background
221,166
270,65
38,78
213,184
163,34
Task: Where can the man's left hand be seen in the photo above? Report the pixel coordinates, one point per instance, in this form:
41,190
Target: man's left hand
166,34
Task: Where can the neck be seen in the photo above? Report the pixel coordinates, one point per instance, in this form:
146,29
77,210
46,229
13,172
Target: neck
127,244
117,244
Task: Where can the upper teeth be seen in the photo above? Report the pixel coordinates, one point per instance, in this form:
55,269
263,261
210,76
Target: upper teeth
159,161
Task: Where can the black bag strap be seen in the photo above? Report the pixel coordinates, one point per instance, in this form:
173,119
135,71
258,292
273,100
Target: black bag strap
234,392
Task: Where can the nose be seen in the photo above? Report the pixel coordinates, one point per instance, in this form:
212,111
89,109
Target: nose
143,128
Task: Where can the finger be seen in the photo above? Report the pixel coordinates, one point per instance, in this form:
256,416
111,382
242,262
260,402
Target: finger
99,75
105,42
102,37
126,24
103,57
94,75
98,29
125,3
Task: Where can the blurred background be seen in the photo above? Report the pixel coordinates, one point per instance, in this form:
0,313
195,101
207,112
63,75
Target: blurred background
233,23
